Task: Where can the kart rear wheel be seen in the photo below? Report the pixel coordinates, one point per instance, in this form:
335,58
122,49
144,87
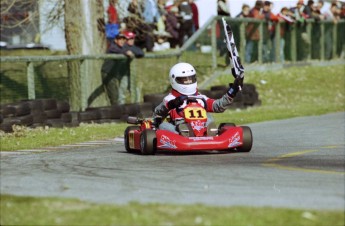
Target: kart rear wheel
129,128
247,140
148,142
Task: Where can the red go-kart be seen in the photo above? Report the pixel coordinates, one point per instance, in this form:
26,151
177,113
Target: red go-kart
193,135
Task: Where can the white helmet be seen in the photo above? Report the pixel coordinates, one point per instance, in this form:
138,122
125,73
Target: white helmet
183,78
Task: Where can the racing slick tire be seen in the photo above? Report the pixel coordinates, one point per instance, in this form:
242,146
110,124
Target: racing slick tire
148,142
129,128
247,140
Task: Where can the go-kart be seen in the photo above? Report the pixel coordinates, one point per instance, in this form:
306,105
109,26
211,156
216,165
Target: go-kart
193,134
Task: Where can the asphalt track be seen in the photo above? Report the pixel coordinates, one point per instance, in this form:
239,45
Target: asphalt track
297,163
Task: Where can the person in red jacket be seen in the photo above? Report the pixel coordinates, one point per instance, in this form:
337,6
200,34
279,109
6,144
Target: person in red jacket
269,32
195,12
252,31
183,82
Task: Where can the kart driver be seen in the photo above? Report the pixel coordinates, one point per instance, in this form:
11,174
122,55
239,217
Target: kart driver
183,81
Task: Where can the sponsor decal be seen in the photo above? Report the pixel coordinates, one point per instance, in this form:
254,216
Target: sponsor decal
167,143
198,125
234,140
200,138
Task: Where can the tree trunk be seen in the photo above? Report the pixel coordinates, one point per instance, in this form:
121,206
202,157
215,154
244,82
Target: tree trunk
84,31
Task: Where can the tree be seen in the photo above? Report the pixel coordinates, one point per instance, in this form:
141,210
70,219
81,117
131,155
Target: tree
19,18
84,32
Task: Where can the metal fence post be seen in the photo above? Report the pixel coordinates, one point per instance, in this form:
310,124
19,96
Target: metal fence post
322,42
334,40
134,89
310,38
31,80
277,43
261,41
293,43
83,84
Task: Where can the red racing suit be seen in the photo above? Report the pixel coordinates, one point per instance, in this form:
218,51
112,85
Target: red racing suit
212,105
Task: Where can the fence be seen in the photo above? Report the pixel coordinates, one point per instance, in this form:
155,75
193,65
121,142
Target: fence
31,77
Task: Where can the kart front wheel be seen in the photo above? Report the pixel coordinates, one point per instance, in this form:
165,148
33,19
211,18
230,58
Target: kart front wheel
148,142
129,128
247,140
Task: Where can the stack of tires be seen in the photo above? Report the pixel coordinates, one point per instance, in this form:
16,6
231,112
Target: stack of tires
55,113
115,113
36,113
249,96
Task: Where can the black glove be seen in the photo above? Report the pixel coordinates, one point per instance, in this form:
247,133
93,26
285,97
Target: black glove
233,72
235,87
239,82
156,121
177,102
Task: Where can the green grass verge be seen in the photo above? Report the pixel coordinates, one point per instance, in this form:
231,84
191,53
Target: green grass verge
55,211
292,92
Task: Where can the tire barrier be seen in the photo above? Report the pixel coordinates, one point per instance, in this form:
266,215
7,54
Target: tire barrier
36,113
56,113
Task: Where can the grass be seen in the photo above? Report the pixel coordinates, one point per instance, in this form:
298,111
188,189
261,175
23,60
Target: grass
284,94
292,92
55,211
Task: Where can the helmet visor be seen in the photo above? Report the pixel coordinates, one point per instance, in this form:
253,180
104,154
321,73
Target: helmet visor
186,80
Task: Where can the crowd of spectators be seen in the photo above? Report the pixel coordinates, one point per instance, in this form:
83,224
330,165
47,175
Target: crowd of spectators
298,14
165,24
157,24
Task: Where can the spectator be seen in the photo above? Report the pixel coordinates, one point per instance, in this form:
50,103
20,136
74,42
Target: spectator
135,8
130,44
303,40
297,11
222,8
284,15
311,10
269,32
245,11
332,14
151,17
252,32
319,10
112,12
195,12
186,28
160,31
113,26
173,26
151,13
115,73
136,23
342,11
